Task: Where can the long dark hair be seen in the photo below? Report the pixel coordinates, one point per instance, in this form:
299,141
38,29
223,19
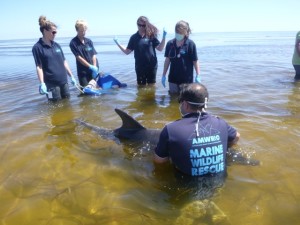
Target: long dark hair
151,30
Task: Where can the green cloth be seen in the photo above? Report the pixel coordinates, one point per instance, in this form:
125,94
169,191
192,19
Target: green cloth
296,56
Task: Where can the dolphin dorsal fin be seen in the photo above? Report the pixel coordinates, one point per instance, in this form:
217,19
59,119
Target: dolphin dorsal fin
128,121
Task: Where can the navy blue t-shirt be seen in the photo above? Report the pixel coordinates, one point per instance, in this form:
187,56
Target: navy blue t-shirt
144,50
86,51
192,155
51,58
181,58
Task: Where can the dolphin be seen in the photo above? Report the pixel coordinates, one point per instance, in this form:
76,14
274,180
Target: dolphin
133,131
130,130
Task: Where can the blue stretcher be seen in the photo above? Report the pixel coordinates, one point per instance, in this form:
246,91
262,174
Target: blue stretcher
106,82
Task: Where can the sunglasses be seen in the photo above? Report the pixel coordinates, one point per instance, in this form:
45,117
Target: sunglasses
54,32
141,25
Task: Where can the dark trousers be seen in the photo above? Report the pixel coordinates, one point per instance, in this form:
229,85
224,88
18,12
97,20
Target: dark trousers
297,70
58,92
145,75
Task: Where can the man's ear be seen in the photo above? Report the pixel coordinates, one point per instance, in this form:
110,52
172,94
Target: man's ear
185,105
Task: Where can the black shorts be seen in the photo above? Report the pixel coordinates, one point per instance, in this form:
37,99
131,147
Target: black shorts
145,75
58,92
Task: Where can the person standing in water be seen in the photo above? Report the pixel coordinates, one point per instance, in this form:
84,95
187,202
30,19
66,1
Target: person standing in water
85,54
296,57
144,43
51,65
181,57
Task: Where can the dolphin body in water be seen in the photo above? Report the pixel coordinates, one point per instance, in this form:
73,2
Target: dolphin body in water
130,130
133,131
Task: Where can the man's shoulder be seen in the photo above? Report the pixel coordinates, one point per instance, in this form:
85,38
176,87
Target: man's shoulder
213,117
176,123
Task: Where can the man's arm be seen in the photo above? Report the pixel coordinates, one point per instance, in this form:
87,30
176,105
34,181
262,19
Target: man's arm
158,159
235,140
162,148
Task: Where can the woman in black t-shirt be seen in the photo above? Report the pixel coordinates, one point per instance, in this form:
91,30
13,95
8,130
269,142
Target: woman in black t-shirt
144,43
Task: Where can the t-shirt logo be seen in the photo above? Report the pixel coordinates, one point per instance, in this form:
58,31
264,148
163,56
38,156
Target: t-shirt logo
88,49
206,153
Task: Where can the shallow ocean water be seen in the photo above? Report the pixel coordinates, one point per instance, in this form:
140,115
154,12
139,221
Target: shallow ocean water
54,171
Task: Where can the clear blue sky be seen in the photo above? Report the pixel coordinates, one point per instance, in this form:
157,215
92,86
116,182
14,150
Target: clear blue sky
19,19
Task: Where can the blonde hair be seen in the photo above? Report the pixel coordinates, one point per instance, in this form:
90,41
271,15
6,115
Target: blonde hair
183,27
45,24
80,23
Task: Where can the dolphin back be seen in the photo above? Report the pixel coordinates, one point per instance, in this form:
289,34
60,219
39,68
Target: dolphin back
104,133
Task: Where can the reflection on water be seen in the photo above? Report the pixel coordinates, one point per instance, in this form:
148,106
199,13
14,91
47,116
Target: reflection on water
54,171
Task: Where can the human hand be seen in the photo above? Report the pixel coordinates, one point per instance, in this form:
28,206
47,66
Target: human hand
198,79
116,40
43,89
94,70
163,80
164,33
73,81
